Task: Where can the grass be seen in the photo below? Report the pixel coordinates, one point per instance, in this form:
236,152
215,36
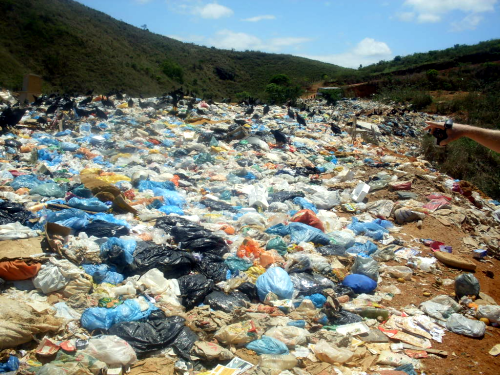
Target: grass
75,49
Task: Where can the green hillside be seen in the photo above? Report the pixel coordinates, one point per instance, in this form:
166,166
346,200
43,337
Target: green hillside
75,48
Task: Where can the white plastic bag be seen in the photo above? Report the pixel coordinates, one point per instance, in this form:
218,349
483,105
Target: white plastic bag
330,353
463,326
289,335
111,350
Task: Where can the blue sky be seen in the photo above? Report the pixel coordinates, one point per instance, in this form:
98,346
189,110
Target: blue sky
342,32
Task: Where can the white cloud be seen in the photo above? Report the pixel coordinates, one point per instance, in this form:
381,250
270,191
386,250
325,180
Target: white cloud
469,22
366,52
431,11
227,39
260,18
213,11
406,16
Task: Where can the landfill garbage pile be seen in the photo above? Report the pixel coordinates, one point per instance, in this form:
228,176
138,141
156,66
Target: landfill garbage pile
177,235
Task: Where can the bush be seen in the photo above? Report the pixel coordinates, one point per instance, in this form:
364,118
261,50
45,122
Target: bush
173,70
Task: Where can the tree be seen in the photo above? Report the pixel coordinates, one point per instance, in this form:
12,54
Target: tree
397,58
144,27
280,79
432,75
242,95
173,70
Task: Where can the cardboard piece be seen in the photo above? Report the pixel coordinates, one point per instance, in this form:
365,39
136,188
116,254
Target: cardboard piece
17,249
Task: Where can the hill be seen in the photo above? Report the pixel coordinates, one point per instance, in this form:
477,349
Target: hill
76,48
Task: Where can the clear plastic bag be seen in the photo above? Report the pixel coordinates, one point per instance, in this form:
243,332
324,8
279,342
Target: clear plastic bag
366,266
277,281
111,350
330,353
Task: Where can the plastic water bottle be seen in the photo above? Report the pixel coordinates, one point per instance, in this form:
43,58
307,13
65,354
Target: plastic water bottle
278,362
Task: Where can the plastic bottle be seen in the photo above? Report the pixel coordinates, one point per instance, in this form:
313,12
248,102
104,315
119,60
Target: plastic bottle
278,362
373,313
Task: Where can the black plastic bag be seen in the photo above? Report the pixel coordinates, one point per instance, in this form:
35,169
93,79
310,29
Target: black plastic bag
167,223
342,290
212,266
250,290
157,333
331,249
194,288
172,262
11,212
197,239
282,196
100,228
342,317
184,343
226,302
307,284
217,205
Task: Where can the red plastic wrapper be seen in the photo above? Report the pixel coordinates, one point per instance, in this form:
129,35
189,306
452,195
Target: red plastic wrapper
308,217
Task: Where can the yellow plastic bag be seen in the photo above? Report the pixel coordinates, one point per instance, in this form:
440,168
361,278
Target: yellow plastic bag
113,179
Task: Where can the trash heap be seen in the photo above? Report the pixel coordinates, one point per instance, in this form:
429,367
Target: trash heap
198,240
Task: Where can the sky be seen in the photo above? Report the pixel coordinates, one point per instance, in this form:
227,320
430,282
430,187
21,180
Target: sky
348,33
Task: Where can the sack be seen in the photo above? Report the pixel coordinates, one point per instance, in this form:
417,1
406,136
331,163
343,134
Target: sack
18,270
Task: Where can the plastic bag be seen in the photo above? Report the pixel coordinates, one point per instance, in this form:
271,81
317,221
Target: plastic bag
111,350
12,364
277,281
49,190
194,289
458,323
366,266
278,244
29,181
329,352
467,285
308,217
343,317
156,333
50,278
11,212
365,249
305,204
371,229
360,283
238,264
397,272
151,185
304,233
226,302
213,267
237,334
267,345
318,300
307,284
100,228
172,262
157,284
491,312
91,204
102,273
195,238
289,335
103,318
118,252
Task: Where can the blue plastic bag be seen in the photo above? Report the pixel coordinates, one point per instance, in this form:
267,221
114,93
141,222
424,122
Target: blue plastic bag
151,185
370,229
363,249
27,181
58,216
267,345
170,197
88,204
300,232
103,318
297,323
275,280
360,283
68,146
279,229
305,204
169,209
11,365
318,300
102,273
49,190
109,218
118,252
